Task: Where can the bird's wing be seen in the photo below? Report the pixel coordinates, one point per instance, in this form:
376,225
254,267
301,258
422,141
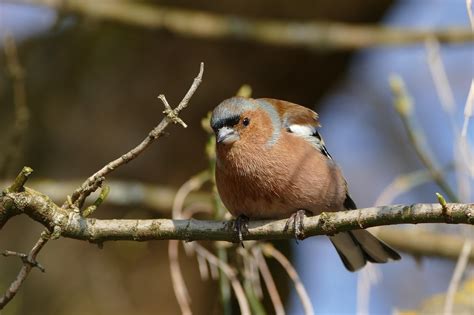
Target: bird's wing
291,113
300,121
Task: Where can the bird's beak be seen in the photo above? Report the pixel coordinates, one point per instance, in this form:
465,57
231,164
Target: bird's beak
227,135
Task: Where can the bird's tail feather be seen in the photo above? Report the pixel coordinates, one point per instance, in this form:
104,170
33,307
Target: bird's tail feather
359,246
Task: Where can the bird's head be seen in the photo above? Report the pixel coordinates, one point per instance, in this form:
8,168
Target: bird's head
237,119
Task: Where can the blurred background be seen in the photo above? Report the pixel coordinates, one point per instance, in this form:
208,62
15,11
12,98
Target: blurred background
91,72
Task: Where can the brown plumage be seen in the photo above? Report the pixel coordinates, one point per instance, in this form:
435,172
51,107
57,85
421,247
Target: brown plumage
272,162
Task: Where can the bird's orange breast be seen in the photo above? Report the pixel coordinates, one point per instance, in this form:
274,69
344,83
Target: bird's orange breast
276,181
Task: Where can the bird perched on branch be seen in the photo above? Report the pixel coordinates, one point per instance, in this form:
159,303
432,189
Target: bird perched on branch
272,164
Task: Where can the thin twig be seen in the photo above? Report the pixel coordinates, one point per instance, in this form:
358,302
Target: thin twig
448,104
20,180
296,33
466,151
94,181
268,280
79,196
28,263
456,278
177,279
470,13
192,184
269,250
231,275
404,183
104,192
24,258
404,107
440,79
251,281
468,109
179,285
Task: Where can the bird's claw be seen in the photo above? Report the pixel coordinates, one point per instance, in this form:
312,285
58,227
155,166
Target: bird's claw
241,226
296,221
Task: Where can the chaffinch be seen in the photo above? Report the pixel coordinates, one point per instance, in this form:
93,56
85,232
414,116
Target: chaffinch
272,164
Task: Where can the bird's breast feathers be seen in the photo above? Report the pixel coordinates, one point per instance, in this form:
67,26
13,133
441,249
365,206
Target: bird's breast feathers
292,174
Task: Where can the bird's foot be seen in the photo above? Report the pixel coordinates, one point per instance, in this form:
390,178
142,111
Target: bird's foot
241,226
296,221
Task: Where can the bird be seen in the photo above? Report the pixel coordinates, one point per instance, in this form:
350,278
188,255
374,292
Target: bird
272,163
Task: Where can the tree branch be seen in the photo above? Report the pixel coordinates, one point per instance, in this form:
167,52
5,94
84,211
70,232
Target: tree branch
12,205
95,181
29,262
72,225
122,193
418,243
310,34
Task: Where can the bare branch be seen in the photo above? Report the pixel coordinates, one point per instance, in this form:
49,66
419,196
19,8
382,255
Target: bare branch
269,250
268,280
177,279
95,181
20,180
229,273
73,225
404,107
29,262
308,34
10,207
122,193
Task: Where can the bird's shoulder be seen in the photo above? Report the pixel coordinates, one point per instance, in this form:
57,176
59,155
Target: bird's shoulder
293,114
300,121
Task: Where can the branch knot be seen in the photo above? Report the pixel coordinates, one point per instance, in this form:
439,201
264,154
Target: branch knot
172,114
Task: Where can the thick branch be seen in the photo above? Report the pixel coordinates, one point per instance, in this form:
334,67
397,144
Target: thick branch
8,210
72,225
209,25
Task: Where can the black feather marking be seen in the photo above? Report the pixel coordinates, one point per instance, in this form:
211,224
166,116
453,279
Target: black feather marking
349,204
322,147
225,122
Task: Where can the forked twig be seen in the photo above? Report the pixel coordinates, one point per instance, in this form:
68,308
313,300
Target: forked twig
95,181
89,186
29,262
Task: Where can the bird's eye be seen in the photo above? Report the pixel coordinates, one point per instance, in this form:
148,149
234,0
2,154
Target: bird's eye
245,121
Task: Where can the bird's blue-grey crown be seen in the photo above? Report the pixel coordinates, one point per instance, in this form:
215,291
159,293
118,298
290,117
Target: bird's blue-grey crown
228,114
229,111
